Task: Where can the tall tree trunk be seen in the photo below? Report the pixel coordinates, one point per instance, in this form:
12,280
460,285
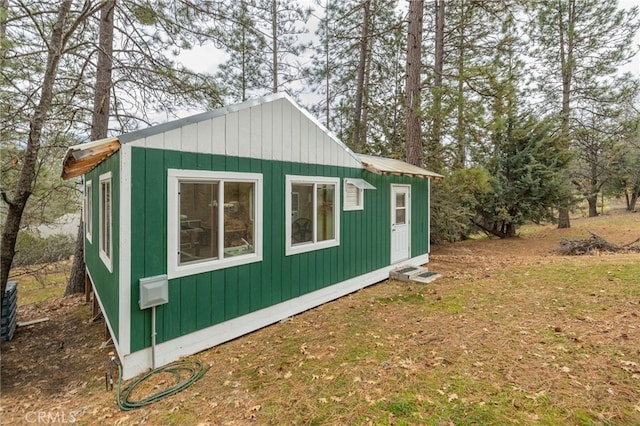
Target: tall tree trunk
99,127
243,51
567,64
28,171
274,42
460,157
357,138
4,11
414,67
592,200
435,146
77,276
633,199
328,67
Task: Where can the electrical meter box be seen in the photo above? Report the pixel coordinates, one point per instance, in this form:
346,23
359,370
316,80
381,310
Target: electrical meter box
154,291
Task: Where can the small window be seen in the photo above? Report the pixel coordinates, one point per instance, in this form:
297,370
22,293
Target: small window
312,209
354,193
213,220
88,210
106,219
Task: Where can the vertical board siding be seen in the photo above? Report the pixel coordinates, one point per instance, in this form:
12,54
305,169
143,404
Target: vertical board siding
274,139
277,130
106,283
204,303
232,141
304,142
244,133
197,302
189,138
256,132
296,125
218,127
266,131
205,131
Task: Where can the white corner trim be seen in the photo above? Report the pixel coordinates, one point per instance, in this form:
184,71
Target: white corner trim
166,352
105,257
124,232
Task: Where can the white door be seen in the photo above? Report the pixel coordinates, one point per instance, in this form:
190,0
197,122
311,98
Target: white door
400,223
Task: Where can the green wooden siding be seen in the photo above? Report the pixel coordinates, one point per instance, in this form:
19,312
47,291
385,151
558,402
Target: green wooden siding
105,282
202,300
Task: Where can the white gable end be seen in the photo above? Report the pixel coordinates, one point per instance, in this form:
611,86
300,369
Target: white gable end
270,128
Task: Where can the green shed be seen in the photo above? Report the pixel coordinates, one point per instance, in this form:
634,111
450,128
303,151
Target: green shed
245,215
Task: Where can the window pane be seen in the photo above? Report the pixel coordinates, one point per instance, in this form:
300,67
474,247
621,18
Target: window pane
400,200
400,216
302,213
353,195
198,221
105,229
88,220
238,218
326,216
107,217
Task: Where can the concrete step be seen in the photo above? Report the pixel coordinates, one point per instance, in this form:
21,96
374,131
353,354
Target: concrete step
417,274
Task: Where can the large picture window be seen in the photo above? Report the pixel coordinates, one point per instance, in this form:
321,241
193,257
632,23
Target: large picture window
312,213
213,220
106,219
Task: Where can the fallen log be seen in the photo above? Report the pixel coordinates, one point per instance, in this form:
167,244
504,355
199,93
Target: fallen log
595,244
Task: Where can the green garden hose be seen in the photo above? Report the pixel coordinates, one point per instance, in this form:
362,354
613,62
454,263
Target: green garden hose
194,370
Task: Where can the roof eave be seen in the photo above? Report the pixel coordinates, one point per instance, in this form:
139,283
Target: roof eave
81,159
386,166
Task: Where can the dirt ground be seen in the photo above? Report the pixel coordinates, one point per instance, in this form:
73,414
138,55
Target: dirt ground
476,347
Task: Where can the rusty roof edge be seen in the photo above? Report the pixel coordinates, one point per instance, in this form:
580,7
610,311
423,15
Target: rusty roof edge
74,155
382,165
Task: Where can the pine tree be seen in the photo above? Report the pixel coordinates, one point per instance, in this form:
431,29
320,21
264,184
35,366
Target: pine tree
99,127
63,27
580,45
243,74
264,44
525,180
45,91
361,75
413,85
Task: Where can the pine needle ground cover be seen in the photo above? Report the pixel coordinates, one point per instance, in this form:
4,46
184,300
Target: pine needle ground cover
512,334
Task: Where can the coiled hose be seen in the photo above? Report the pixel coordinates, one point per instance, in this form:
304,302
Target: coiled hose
193,370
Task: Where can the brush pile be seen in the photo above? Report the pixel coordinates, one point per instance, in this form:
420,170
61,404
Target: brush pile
594,245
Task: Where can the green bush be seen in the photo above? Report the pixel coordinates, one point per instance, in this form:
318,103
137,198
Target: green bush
32,249
455,202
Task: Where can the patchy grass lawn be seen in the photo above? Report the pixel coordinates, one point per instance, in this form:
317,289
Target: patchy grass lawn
41,282
512,334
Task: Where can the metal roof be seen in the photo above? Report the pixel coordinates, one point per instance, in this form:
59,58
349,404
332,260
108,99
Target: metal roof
359,183
83,158
383,166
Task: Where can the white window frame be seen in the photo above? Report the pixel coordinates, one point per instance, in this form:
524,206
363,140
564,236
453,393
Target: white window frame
360,185
88,209
175,177
104,255
313,245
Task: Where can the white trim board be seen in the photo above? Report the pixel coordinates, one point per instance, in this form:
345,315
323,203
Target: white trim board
124,233
166,352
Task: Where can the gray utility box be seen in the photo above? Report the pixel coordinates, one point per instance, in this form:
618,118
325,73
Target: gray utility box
154,291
